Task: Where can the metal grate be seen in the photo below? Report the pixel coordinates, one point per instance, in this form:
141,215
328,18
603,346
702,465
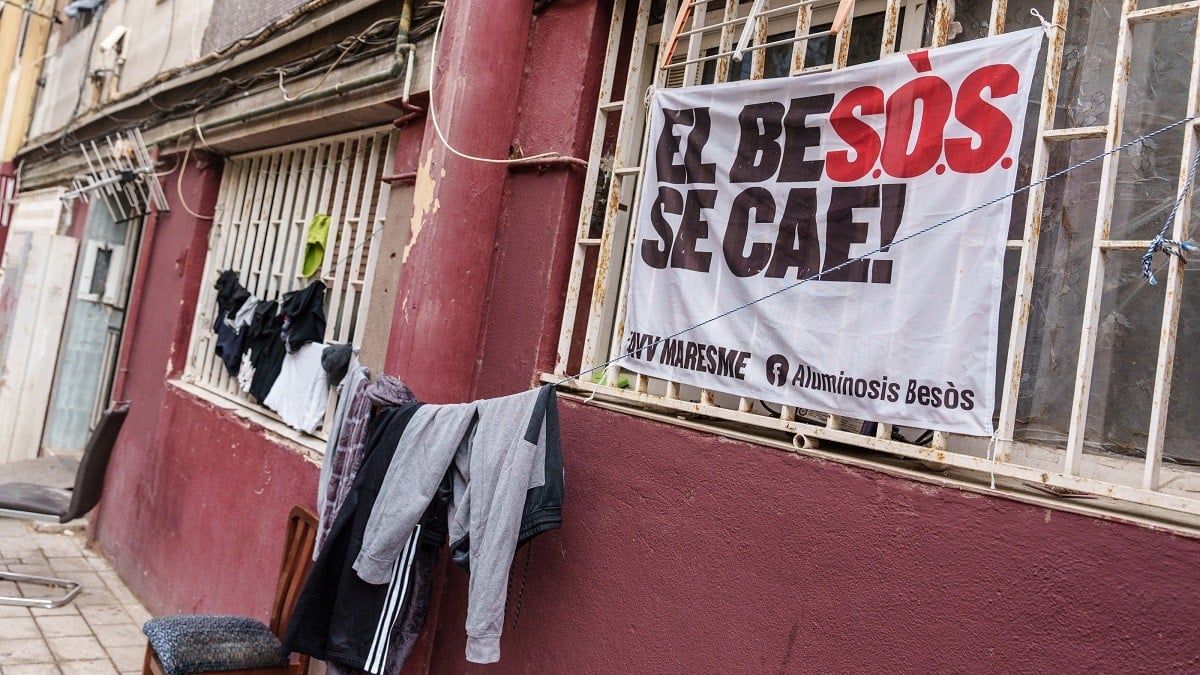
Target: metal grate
595,304
265,202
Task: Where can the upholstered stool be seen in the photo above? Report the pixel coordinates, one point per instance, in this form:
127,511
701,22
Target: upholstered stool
204,643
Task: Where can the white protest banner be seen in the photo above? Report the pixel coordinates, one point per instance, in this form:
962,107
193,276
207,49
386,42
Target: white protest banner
752,186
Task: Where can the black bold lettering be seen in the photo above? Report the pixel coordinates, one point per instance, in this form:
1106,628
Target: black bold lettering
692,229
842,231
799,137
745,264
656,251
758,150
796,244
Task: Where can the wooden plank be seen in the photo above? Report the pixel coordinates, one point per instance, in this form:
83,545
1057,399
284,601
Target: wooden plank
37,332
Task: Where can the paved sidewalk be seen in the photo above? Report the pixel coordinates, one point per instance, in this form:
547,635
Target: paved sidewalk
98,633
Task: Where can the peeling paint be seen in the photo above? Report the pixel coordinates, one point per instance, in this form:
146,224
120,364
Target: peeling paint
425,202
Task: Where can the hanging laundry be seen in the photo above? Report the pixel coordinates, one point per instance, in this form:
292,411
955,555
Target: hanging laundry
303,316
231,297
347,440
314,244
336,361
301,391
343,620
508,487
241,320
266,349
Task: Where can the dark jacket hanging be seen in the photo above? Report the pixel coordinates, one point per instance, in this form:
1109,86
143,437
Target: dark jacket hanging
304,316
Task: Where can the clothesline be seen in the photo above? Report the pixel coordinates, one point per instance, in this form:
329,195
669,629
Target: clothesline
1183,246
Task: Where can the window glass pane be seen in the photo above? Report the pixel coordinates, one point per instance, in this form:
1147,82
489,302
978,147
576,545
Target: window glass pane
100,271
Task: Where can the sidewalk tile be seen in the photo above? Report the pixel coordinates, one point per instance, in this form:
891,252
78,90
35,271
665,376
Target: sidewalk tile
128,658
77,648
16,627
119,635
17,652
67,625
31,669
103,615
95,667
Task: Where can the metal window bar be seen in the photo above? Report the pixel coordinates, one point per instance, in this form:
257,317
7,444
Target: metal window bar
265,201
613,249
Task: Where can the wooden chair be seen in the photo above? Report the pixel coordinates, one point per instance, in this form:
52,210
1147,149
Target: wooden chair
297,559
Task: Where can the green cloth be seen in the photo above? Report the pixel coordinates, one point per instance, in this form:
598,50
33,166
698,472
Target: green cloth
314,244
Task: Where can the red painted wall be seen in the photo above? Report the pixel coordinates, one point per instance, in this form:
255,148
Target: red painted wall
196,499
682,551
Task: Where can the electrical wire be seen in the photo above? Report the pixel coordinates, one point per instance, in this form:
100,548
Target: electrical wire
69,138
179,185
170,37
438,129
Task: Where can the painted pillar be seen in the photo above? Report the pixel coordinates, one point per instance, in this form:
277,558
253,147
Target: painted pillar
440,299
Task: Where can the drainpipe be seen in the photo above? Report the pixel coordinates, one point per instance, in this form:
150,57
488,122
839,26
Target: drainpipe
402,64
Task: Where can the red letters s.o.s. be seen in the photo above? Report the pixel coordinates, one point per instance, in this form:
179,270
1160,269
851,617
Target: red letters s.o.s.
985,119
901,155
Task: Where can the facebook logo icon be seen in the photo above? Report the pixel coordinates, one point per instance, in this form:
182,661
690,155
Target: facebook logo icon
777,370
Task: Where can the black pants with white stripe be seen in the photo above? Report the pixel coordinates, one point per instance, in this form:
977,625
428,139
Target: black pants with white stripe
340,618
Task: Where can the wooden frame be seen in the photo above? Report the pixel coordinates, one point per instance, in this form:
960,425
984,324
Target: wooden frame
297,559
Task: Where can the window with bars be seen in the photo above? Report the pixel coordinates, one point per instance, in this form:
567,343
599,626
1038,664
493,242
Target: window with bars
1087,349
264,206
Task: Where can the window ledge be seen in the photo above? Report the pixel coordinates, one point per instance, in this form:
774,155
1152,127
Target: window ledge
309,447
1099,506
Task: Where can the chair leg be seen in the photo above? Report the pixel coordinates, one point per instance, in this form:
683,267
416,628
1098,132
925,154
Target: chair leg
73,588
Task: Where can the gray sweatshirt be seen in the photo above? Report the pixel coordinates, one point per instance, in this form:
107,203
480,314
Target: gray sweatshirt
495,466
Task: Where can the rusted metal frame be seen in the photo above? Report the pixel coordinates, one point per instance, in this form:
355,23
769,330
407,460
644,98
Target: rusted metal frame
286,216
264,254
332,209
723,46
600,127
319,180
349,227
1125,244
1095,285
380,216
1027,268
943,19
764,14
800,49
352,289
250,251
227,248
996,20
203,323
891,28
691,71
726,55
1162,13
241,227
613,372
1034,475
1075,133
603,285
758,57
1173,289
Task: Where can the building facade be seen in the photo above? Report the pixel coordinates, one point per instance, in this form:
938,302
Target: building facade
702,532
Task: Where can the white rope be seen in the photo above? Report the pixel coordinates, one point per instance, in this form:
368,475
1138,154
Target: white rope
437,33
